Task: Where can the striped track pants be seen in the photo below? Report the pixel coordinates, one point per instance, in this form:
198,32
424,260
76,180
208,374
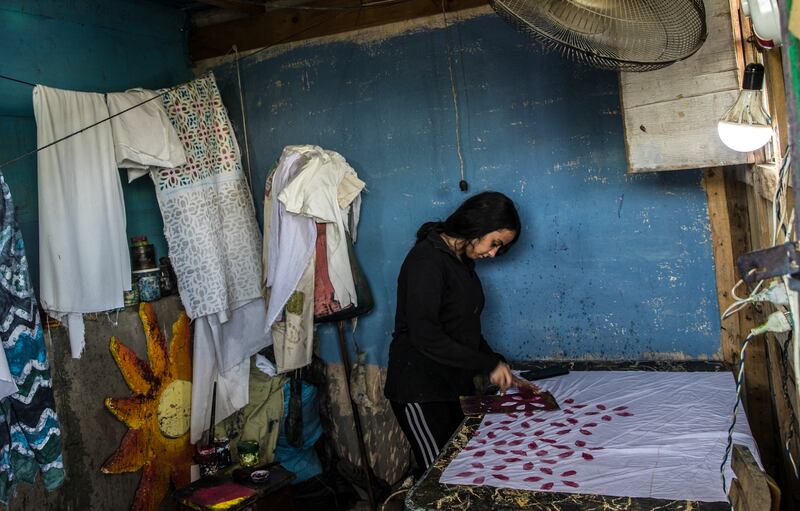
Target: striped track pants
428,427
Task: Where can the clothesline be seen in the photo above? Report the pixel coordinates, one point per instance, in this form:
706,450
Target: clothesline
101,121
32,152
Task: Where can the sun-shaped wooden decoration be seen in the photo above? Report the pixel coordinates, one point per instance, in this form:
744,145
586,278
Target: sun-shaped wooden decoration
158,414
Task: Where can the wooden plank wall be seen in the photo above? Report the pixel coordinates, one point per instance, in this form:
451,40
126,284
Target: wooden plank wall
670,115
740,217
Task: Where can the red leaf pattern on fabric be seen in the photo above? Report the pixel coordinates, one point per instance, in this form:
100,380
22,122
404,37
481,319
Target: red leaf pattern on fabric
536,458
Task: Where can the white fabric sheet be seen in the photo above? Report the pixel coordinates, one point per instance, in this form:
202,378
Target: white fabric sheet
84,263
315,193
222,352
288,239
143,135
629,434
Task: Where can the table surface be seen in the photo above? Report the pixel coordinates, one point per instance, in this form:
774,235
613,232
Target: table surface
430,494
279,478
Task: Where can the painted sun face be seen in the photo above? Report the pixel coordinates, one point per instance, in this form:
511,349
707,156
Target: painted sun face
158,414
488,245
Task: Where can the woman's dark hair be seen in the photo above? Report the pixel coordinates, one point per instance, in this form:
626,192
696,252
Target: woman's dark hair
477,216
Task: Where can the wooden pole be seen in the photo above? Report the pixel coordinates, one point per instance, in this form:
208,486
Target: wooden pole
362,448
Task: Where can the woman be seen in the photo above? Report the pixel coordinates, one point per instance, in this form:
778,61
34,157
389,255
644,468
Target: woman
437,346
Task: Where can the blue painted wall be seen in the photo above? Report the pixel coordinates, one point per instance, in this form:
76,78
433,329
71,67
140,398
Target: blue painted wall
608,265
88,45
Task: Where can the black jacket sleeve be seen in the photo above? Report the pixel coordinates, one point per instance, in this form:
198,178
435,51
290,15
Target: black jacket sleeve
424,297
485,348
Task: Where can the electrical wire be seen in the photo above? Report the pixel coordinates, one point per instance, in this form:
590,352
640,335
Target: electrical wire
463,183
729,445
784,349
244,119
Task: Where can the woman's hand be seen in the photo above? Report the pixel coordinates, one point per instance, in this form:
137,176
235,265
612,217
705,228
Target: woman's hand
501,376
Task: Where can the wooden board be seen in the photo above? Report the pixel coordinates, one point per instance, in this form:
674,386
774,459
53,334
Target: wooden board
286,25
670,115
722,244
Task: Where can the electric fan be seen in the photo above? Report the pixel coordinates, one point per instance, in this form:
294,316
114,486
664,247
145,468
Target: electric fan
624,35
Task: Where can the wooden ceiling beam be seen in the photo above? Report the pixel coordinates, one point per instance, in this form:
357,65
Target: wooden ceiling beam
236,5
287,25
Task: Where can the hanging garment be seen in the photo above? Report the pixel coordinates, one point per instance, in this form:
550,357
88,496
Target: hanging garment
315,193
325,302
288,239
293,334
260,419
209,219
222,353
143,135
83,261
213,238
642,434
30,432
288,261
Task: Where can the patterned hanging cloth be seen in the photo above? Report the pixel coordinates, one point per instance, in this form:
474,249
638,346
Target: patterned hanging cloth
30,433
214,246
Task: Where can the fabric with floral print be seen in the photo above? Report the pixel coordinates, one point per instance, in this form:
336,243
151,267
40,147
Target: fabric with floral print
620,433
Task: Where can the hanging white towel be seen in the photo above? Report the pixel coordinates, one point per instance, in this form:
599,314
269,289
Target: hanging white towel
84,263
143,135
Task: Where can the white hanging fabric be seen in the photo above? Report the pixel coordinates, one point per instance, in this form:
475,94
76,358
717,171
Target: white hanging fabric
84,263
143,135
315,193
214,244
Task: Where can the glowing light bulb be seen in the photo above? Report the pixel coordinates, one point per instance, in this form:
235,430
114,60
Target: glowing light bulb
746,126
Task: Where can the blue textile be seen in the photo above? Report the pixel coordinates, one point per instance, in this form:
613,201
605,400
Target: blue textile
30,432
303,461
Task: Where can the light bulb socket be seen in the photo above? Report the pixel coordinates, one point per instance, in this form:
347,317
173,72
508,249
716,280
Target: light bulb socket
753,77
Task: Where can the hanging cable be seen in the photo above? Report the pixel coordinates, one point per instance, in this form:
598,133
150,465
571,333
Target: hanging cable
463,185
729,444
777,322
244,120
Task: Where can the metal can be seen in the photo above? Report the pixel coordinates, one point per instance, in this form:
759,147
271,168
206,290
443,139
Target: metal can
223,448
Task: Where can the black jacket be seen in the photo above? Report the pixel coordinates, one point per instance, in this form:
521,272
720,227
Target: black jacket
437,346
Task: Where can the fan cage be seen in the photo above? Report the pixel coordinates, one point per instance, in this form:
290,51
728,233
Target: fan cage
635,40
